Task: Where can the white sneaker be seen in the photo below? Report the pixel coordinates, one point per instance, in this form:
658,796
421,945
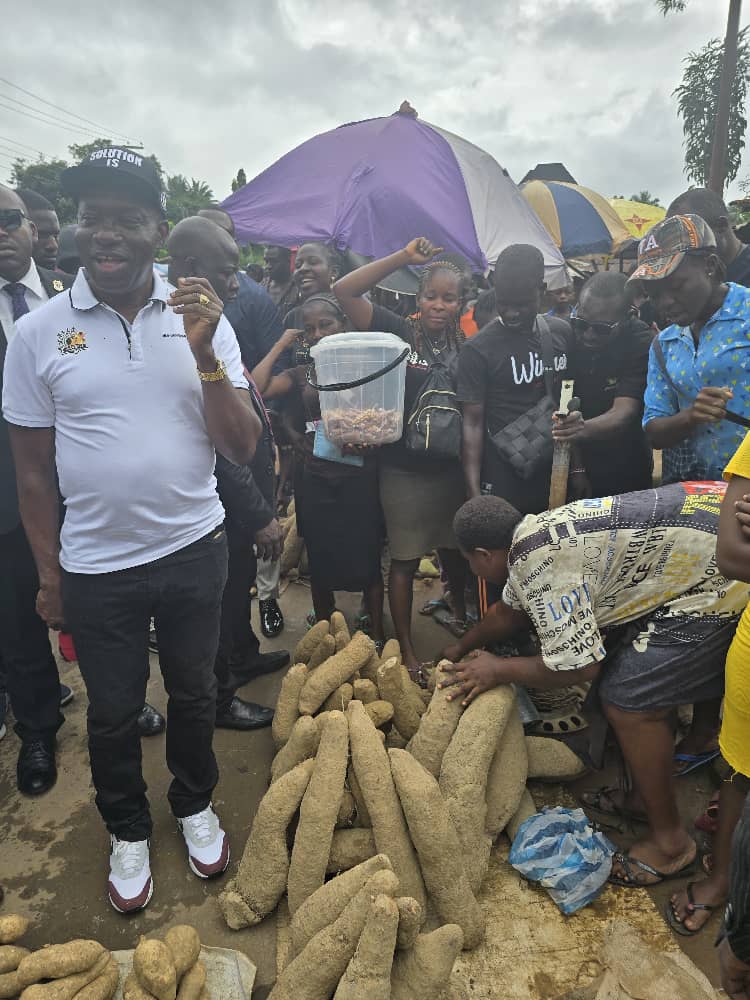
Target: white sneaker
207,844
130,884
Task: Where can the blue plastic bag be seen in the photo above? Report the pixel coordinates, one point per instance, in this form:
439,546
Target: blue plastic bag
560,849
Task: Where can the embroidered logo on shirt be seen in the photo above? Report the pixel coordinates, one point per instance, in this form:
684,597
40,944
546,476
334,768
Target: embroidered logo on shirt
71,341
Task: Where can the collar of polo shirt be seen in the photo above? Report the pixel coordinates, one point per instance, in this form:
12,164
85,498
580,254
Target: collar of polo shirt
82,295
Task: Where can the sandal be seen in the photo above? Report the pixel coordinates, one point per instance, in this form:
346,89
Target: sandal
436,604
677,925
693,761
456,626
601,801
630,881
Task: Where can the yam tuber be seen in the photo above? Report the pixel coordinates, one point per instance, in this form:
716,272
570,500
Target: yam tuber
104,986
413,692
437,846
325,648
154,966
339,700
372,767
463,775
324,680
306,646
526,810
380,712
365,691
316,970
58,960
185,947
350,848
10,957
436,727
10,985
369,671
287,707
69,986
301,745
391,648
391,687
410,920
340,631
551,759
318,813
347,810
12,927
132,989
363,816
261,878
328,903
193,983
421,972
506,780
368,974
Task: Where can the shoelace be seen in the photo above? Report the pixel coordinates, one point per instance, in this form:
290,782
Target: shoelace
200,825
129,856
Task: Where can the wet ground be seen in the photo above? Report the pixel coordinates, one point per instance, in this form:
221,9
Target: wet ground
53,855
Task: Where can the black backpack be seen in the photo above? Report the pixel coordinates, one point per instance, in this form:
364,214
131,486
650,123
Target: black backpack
434,427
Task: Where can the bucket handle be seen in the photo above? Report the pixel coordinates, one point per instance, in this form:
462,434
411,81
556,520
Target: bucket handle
340,386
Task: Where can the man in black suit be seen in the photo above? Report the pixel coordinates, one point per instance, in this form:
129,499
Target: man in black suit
198,247
31,672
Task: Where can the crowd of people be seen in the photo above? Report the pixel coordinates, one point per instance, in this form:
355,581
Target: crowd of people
155,424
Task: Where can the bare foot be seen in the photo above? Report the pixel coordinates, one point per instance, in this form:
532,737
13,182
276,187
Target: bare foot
665,862
692,915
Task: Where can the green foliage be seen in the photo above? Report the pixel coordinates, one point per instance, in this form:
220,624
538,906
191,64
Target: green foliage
668,6
646,198
697,102
185,198
43,176
240,180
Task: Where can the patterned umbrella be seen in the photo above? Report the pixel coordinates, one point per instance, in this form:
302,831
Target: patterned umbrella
580,221
637,216
373,185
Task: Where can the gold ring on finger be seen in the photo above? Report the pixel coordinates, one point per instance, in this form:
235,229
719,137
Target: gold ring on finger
204,299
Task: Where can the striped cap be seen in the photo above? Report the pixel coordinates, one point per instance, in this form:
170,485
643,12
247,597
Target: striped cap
663,248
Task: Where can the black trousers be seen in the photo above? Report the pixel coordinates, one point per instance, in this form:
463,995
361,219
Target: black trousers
108,615
238,642
31,676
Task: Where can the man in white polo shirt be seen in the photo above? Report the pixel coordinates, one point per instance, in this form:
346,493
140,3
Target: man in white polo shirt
125,387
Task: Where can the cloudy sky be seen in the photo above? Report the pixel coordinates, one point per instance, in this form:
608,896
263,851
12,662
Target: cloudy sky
213,87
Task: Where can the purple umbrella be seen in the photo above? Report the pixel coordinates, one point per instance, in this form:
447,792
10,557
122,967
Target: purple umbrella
371,186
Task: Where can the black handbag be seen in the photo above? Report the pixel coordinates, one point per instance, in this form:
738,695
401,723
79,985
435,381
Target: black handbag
526,442
435,424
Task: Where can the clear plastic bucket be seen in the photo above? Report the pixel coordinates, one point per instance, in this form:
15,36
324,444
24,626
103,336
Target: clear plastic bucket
361,379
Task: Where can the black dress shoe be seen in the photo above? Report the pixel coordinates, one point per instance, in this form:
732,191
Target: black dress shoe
150,722
271,618
263,663
241,714
36,771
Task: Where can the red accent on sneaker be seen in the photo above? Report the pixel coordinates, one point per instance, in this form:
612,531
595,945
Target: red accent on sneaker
217,868
130,905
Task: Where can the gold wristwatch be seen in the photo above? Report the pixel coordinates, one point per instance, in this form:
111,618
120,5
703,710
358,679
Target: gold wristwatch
215,376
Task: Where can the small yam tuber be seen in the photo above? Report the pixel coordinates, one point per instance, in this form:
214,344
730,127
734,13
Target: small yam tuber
369,671
325,649
365,691
363,816
104,986
368,974
132,989
10,985
261,878
339,700
410,920
324,680
327,904
340,630
550,759
306,646
287,706
347,810
506,779
391,687
380,712
10,957
436,727
12,927
421,972
58,960
185,947
437,845
193,983
373,770
301,745
154,966
391,648
69,986
350,848
526,810
413,692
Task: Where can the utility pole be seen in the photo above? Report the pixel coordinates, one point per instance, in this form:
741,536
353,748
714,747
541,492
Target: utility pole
718,168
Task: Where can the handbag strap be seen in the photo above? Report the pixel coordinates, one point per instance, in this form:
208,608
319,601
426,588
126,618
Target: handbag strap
662,362
547,349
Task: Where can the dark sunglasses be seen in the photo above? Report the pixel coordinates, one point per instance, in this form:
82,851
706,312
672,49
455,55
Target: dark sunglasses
580,326
11,218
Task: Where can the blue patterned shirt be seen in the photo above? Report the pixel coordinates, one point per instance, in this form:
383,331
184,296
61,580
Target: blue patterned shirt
721,358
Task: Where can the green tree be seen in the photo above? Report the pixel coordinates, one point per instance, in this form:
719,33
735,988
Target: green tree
186,197
646,198
43,176
240,180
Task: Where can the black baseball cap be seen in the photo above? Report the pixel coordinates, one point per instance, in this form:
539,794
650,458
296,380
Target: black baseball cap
120,167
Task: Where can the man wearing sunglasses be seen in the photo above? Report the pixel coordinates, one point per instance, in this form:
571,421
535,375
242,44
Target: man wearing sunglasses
30,670
608,364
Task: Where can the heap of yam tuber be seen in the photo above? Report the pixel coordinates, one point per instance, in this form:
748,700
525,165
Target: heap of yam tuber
373,770
58,960
506,780
437,845
328,903
261,878
12,927
422,971
336,671
287,707
154,966
306,646
436,727
463,775
368,974
319,812
350,848
391,687
316,970
301,745
551,759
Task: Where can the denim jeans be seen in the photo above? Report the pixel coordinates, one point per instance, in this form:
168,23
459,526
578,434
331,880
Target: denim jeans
108,615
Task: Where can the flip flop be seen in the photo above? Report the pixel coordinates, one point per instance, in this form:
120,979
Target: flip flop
456,626
434,605
630,882
693,761
677,925
595,800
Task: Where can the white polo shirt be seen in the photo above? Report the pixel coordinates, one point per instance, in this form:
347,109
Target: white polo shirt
134,458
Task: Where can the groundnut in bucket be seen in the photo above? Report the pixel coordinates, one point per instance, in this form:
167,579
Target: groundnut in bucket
360,377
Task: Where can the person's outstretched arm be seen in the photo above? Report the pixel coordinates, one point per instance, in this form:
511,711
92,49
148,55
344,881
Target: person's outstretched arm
351,289
268,384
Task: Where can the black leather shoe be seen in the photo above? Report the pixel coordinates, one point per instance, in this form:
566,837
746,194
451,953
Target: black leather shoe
244,715
36,771
271,618
263,663
150,722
